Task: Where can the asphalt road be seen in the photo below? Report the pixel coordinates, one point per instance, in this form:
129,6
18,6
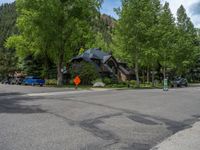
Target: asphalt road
39,118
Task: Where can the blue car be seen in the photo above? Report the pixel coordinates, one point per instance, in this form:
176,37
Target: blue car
33,80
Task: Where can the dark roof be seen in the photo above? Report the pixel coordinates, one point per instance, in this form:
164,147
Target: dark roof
93,54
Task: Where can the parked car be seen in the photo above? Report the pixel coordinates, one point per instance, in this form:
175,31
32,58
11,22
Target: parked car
6,80
33,80
17,80
179,82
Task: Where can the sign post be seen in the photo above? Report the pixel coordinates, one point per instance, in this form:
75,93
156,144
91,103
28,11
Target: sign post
165,88
77,81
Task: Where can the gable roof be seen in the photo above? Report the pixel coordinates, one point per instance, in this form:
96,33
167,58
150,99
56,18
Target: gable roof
94,53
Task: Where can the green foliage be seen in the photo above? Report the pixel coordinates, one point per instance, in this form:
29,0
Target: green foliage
18,43
55,35
132,82
166,30
99,42
135,31
8,59
185,49
86,71
146,36
107,81
51,82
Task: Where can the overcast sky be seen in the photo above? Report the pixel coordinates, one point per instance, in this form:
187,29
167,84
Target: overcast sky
192,7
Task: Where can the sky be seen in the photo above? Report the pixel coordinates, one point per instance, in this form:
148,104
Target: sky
192,7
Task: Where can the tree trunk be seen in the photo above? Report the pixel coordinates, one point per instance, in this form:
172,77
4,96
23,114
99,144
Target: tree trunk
148,75
143,76
137,71
137,75
59,68
59,74
46,67
164,72
153,78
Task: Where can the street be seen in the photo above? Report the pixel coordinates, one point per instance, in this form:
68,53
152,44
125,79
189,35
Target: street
40,118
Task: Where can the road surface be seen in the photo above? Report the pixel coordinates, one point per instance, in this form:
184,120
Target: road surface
39,118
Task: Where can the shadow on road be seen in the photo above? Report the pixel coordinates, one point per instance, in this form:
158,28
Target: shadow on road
9,94
14,103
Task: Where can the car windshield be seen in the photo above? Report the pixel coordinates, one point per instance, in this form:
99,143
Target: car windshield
32,77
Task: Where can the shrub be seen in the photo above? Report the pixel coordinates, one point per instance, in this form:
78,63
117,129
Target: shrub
107,81
87,73
71,82
119,85
51,82
132,83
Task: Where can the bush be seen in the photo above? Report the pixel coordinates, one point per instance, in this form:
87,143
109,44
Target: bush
71,82
107,81
132,83
119,85
51,82
87,73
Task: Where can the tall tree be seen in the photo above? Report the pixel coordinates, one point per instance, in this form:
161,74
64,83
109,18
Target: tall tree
150,52
134,30
185,44
166,33
56,27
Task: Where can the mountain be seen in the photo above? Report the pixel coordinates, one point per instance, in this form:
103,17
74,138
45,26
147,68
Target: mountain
8,18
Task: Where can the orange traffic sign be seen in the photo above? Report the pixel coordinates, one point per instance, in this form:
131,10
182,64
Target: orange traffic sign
77,80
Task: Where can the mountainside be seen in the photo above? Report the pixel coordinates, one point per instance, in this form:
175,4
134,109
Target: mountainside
8,18
108,21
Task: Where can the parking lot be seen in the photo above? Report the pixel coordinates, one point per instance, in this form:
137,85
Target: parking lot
40,118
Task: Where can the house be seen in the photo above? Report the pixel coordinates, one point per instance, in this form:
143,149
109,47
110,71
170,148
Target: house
105,64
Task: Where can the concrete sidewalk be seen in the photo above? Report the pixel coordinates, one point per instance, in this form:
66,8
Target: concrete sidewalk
188,139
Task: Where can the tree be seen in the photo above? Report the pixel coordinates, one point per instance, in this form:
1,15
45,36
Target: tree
166,32
60,31
99,42
134,28
150,53
185,44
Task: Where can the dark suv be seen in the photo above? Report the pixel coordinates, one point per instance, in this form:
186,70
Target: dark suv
179,82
